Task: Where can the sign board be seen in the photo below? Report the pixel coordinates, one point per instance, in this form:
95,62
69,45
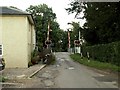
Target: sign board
77,42
48,42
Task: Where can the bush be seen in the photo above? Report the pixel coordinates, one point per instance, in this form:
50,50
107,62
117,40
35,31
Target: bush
34,58
38,56
30,64
2,79
109,53
52,59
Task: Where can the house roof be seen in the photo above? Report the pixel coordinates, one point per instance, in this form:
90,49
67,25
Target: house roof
13,11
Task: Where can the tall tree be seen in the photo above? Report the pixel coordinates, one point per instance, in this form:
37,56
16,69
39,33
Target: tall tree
42,15
102,20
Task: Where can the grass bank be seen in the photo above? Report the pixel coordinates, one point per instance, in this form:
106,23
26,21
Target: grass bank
95,64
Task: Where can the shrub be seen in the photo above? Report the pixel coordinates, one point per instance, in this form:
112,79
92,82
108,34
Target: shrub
109,53
30,64
34,58
2,79
52,59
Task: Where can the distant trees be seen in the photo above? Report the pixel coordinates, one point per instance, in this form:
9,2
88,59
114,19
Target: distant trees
102,20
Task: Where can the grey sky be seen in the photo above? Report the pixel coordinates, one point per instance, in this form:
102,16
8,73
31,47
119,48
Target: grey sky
58,7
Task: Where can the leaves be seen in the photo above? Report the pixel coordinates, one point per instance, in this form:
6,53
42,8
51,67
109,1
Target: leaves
42,16
102,20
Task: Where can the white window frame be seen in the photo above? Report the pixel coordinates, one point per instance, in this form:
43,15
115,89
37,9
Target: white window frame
1,46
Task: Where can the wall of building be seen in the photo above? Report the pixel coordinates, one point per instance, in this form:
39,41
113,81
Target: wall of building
33,38
29,51
14,37
0,30
30,39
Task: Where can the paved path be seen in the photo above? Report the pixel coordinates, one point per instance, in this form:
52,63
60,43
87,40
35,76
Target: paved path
74,75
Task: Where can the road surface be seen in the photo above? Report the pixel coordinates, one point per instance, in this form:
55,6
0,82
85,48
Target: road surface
75,75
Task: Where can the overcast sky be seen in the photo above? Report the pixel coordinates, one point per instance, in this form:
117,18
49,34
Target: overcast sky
58,7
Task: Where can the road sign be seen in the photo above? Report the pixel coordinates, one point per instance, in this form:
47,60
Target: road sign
48,42
77,42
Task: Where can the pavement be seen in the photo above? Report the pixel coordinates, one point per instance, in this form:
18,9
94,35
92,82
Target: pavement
20,77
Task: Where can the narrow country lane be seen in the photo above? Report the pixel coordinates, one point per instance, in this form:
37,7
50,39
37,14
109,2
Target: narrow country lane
75,75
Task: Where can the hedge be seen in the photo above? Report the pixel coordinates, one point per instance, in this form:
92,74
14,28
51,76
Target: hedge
109,53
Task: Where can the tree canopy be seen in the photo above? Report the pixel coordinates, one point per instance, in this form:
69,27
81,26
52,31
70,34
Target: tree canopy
102,20
42,15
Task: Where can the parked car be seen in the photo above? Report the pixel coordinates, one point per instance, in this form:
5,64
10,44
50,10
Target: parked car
2,63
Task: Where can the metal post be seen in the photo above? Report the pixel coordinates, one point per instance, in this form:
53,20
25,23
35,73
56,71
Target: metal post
68,40
48,33
79,34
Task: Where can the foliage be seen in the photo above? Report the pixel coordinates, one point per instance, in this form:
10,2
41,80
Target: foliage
102,20
109,53
34,58
64,41
60,40
51,60
34,53
95,64
42,15
30,63
2,78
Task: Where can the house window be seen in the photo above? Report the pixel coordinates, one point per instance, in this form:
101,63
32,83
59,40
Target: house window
1,50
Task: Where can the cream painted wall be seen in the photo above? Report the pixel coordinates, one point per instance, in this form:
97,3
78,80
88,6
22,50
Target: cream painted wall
15,43
0,30
33,38
31,41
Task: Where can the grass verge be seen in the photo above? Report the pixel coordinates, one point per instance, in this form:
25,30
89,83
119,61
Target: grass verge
95,64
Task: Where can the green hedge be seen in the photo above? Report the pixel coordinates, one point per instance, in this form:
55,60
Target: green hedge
109,53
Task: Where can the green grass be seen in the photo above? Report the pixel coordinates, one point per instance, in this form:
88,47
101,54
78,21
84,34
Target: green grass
2,78
95,64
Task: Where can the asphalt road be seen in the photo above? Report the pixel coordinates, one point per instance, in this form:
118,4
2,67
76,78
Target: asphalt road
75,75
